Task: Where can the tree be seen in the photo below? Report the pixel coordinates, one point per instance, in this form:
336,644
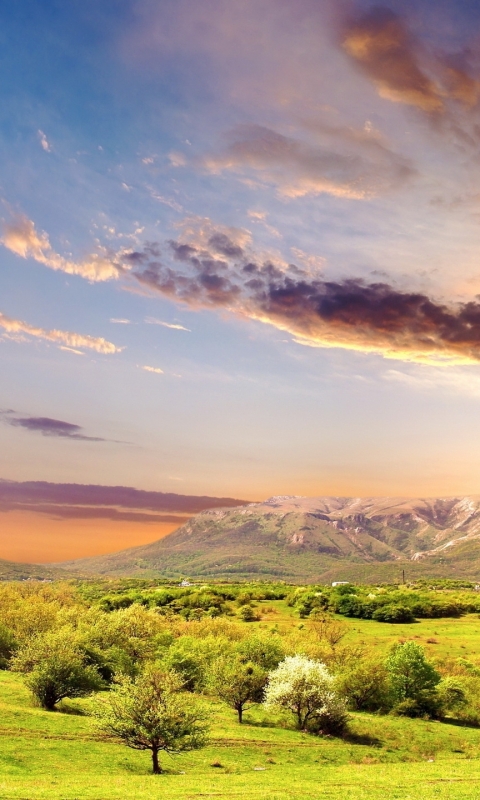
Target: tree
56,668
305,687
152,713
413,681
365,685
409,671
267,652
238,683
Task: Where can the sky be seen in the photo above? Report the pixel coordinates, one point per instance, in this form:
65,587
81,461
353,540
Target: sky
238,258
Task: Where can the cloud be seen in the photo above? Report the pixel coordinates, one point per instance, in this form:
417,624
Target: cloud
157,370
120,321
44,143
171,325
459,381
403,70
69,500
382,45
349,313
336,162
52,427
68,338
21,237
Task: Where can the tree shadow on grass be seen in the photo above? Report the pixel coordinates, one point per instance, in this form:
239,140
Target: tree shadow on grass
67,708
361,738
261,723
459,723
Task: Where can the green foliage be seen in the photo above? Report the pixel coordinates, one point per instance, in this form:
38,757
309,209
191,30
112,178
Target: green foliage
8,646
365,685
56,668
265,652
191,657
248,614
393,613
413,681
152,713
238,683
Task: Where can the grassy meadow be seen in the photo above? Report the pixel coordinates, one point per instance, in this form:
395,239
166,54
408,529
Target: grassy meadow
61,756
57,755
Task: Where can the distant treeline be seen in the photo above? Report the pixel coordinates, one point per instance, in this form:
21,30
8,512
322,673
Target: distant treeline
393,604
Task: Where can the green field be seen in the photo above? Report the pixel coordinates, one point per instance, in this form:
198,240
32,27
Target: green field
58,756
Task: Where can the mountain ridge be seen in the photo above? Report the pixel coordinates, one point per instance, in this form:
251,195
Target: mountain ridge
301,538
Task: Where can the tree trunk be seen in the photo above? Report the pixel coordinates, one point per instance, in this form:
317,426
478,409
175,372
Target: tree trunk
240,714
156,763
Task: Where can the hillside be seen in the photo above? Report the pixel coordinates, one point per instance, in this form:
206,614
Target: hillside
300,539
18,571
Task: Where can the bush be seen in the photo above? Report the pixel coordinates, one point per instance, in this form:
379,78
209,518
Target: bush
365,685
248,614
56,668
8,646
393,613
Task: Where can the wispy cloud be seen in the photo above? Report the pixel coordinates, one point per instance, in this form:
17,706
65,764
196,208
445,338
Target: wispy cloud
120,321
21,237
173,326
157,370
52,427
68,338
342,163
44,143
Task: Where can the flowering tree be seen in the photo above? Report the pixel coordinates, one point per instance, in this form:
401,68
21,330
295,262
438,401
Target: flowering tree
304,686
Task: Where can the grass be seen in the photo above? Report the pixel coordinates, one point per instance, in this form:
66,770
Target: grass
58,756
455,637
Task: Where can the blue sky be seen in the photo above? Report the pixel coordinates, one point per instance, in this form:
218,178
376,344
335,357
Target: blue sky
240,246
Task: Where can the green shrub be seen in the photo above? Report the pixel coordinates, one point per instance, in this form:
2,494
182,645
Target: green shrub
393,613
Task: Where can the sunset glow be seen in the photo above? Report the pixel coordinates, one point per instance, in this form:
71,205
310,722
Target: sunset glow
239,258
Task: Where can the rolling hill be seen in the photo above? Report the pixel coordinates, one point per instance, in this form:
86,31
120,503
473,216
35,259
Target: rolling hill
308,539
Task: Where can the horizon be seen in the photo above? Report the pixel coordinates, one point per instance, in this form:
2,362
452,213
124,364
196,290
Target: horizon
239,249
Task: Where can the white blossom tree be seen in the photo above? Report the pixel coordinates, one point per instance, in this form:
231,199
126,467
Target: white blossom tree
305,687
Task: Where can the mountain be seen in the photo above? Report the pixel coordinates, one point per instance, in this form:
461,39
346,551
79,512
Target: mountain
18,571
308,539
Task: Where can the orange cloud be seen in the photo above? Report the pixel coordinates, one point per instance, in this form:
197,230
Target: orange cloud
382,45
68,338
22,238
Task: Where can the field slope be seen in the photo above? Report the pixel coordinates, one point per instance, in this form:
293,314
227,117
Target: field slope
56,756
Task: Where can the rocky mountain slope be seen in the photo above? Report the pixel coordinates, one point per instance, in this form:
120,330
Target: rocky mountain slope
304,538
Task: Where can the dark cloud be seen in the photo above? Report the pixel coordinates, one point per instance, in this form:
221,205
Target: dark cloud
52,427
348,313
222,244
59,512
63,496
